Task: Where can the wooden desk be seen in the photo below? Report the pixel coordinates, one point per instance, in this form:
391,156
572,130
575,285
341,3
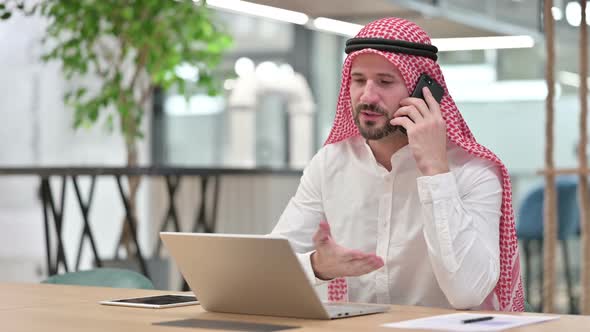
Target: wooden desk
56,308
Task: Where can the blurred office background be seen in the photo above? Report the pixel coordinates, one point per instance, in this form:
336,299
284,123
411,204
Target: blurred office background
281,82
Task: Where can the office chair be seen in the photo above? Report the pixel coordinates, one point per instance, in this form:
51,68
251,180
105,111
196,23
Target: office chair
529,227
102,277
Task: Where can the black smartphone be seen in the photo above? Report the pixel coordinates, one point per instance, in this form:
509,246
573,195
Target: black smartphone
433,86
426,81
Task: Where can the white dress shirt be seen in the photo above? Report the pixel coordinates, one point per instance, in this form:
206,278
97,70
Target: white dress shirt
438,235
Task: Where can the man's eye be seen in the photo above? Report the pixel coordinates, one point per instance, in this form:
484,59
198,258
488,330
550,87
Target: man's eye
358,80
386,82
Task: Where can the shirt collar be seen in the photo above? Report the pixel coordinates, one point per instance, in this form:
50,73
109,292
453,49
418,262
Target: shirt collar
397,159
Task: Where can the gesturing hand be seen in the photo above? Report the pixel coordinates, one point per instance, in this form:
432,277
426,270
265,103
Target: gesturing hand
331,260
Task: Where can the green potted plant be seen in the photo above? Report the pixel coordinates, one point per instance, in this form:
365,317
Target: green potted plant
130,47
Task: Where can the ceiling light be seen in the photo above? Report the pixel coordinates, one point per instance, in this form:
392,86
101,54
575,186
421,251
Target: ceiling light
351,29
443,44
260,10
483,43
336,26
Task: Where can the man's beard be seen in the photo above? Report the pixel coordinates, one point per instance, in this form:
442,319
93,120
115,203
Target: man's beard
369,129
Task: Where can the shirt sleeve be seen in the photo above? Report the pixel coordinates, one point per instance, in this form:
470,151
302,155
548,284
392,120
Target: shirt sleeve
461,229
301,218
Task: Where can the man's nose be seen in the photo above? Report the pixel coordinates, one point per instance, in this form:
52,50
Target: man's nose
369,95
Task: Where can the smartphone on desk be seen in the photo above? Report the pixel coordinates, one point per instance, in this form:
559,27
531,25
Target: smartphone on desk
426,81
155,302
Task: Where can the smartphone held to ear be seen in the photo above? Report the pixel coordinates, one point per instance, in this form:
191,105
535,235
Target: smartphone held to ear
426,81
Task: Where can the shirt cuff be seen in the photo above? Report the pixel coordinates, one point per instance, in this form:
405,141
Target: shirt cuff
437,187
305,260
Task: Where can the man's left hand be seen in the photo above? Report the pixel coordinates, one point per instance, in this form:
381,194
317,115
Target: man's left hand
426,130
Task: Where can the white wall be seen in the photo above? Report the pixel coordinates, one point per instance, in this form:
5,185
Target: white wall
515,131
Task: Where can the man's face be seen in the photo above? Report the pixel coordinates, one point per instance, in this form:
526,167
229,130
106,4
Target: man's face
376,89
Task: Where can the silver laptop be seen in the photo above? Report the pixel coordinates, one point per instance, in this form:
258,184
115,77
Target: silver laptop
252,274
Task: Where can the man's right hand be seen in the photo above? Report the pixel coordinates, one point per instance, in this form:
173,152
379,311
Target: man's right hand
331,260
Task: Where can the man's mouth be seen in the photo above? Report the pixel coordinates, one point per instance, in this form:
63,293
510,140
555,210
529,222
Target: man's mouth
371,115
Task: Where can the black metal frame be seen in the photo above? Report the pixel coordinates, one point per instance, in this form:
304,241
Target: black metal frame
86,231
172,184
54,214
57,215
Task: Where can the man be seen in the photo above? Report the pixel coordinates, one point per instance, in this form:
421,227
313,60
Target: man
419,218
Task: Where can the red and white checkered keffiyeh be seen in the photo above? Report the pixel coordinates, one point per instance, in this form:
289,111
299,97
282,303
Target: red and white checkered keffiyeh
509,288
